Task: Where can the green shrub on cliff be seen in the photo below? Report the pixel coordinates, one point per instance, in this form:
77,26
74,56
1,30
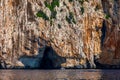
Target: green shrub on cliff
52,5
82,10
42,15
107,16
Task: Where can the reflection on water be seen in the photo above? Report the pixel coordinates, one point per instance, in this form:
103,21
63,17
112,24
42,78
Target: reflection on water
81,74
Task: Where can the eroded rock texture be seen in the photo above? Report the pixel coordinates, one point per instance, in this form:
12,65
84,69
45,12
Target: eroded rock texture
111,42
74,33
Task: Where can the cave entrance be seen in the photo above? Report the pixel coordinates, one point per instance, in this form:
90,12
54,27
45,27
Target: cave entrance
51,60
46,62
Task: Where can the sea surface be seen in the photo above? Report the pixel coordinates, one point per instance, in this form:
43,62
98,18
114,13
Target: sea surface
65,74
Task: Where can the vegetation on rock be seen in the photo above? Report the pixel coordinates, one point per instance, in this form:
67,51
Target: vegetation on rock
82,10
42,15
107,16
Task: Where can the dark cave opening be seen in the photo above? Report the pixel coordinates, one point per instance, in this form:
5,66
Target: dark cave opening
103,30
46,62
51,60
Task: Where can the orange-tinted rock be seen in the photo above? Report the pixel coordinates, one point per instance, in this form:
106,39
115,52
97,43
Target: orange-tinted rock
23,33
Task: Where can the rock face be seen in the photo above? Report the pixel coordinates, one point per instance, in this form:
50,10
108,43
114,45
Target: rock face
71,29
111,43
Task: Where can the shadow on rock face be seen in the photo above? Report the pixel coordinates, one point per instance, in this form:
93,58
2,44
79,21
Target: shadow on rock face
3,65
31,61
0,66
47,58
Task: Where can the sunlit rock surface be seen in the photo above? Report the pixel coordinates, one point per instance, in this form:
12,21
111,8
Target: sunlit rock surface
73,33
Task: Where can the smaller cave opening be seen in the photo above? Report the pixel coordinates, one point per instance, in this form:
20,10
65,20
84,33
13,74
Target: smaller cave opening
103,30
0,66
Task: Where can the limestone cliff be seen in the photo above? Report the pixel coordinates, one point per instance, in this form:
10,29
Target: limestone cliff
111,44
65,33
